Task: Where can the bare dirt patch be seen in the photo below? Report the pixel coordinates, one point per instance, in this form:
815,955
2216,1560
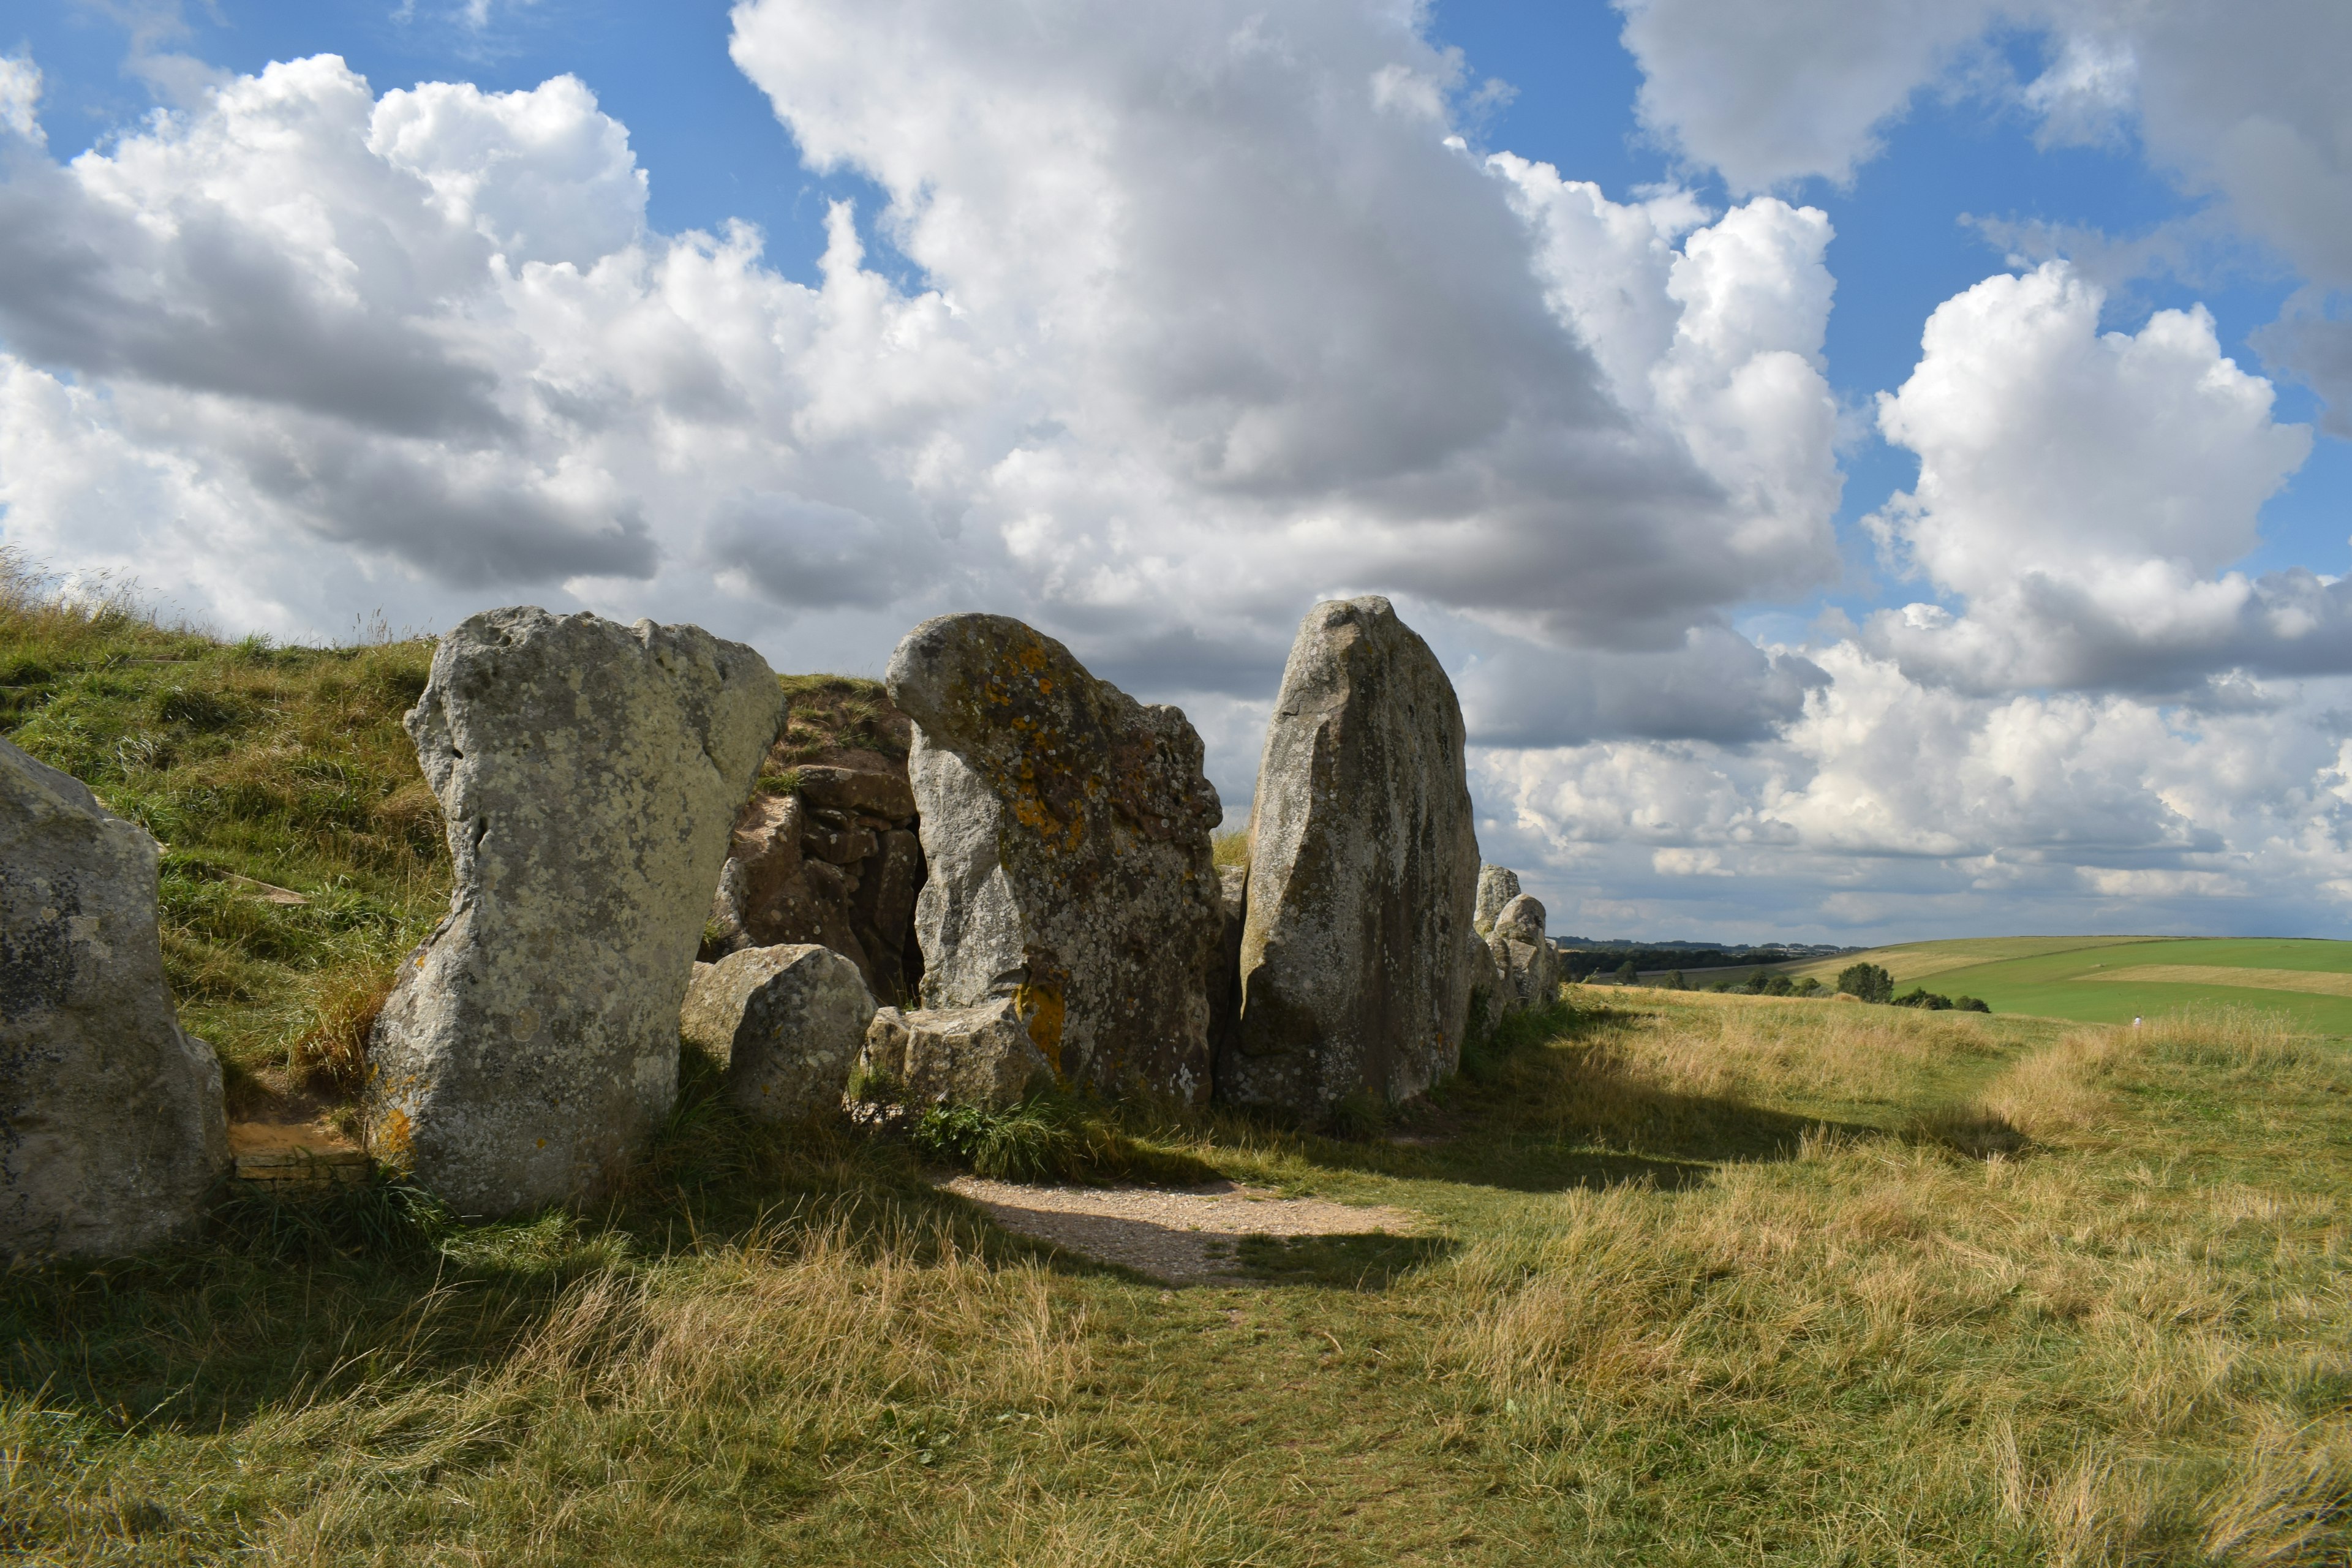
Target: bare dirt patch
1183,1236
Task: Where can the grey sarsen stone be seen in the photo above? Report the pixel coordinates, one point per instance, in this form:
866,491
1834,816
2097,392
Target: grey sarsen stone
788,1022
111,1123
1363,873
589,773
1065,832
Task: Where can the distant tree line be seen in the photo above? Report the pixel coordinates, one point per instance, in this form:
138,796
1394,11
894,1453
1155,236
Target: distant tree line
1580,963
1872,984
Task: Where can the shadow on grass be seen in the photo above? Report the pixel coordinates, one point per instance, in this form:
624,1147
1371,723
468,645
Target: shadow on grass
1547,1103
285,1299
1339,1262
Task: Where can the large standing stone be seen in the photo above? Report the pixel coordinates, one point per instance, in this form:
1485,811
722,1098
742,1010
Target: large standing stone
982,1055
1363,871
788,1022
111,1125
1497,886
1066,827
589,773
1523,955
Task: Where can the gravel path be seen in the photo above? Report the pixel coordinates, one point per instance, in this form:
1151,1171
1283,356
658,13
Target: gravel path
1183,1236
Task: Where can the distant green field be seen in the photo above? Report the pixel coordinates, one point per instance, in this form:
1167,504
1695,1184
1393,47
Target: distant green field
2108,979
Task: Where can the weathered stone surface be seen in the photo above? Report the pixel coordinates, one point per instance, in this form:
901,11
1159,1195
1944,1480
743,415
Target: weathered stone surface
1363,873
1066,828
1497,886
788,1022
589,773
111,1124
872,791
837,839
982,1055
835,862
1226,963
1524,954
1490,995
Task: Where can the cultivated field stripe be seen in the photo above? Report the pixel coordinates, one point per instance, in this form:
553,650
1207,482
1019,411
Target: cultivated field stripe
2318,982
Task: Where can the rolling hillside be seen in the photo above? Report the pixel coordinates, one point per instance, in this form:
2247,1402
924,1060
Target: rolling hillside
2109,979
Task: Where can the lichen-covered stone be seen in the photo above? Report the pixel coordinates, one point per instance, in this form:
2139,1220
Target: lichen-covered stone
1497,886
589,773
1065,830
1363,873
111,1124
982,1055
1523,955
788,1022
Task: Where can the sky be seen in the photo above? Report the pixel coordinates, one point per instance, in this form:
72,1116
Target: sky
1874,470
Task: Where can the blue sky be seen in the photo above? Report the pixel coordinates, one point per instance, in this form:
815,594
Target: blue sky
1154,355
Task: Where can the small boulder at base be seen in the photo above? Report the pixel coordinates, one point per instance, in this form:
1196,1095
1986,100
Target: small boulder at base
1065,830
1497,886
955,1056
589,773
1363,874
788,1022
111,1124
1523,955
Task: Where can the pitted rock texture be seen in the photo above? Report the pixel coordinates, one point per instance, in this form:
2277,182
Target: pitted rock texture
982,1055
1066,828
111,1124
1363,874
837,863
588,774
1490,995
1497,886
1523,955
788,1022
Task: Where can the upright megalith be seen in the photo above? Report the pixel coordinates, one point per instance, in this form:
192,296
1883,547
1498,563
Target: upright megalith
1497,886
110,1126
1525,958
1065,830
589,773
1363,873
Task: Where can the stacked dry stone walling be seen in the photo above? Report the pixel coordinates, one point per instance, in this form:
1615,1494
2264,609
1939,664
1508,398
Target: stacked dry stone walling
111,1125
836,864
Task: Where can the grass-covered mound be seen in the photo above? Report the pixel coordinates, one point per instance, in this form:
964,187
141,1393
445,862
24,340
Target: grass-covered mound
303,853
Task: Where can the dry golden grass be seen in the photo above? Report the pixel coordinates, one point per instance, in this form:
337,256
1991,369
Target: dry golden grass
1229,848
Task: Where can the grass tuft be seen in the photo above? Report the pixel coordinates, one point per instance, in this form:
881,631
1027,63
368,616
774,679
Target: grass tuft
1052,1137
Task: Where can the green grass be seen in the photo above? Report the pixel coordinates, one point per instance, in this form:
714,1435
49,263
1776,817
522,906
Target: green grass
258,768
1704,1280
2109,980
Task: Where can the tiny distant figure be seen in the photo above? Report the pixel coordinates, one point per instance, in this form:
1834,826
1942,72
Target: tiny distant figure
2134,1020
